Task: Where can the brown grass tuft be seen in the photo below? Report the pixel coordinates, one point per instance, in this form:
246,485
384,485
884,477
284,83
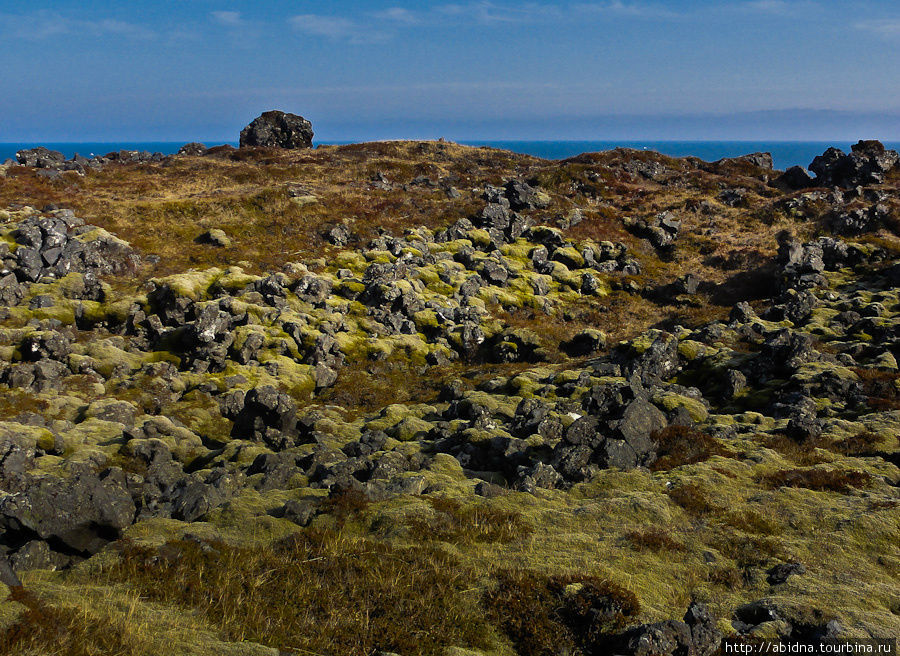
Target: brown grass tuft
860,444
726,576
459,524
654,539
830,480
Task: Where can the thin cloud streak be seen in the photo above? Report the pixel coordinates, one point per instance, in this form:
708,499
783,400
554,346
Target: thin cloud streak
889,27
629,9
482,13
227,18
772,6
488,13
778,7
398,15
46,24
336,28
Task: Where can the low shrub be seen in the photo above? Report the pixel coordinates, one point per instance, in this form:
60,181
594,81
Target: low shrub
749,551
346,505
691,498
803,453
682,445
559,614
880,388
726,576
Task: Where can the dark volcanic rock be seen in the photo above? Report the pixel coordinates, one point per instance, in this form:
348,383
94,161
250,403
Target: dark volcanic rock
585,342
193,149
696,635
83,511
338,235
60,244
795,177
40,157
278,129
639,421
661,230
762,159
866,164
7,575
523,196
781,573
264,414
214,237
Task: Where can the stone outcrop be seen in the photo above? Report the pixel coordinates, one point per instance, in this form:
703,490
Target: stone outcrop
58,244
40,157
867,163
276,129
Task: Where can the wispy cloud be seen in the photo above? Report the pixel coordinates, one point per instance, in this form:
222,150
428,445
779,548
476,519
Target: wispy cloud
383,25
887,27
771,6
45,24
487,13
629,9
337,28
778,7
227,18
399,15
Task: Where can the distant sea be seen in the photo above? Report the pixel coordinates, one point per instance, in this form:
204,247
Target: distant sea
785,153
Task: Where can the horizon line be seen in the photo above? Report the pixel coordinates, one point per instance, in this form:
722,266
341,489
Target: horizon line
463,140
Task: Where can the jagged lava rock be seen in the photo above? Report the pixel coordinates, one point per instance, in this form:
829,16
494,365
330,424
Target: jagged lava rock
866,164
279,130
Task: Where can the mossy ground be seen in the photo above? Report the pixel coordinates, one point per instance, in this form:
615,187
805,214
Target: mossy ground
424,573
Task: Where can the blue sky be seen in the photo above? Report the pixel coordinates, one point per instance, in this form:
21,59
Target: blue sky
589,69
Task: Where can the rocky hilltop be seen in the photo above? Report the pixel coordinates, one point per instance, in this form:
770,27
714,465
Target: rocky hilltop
414,397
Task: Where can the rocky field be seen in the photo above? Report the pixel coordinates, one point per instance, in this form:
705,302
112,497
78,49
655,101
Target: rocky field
419,398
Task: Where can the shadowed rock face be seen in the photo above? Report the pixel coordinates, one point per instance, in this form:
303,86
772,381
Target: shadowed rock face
275,129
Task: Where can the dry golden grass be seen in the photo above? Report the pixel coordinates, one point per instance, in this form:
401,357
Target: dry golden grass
458,523
318,592
62,631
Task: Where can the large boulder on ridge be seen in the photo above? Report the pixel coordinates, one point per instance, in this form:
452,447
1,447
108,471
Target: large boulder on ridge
275,129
